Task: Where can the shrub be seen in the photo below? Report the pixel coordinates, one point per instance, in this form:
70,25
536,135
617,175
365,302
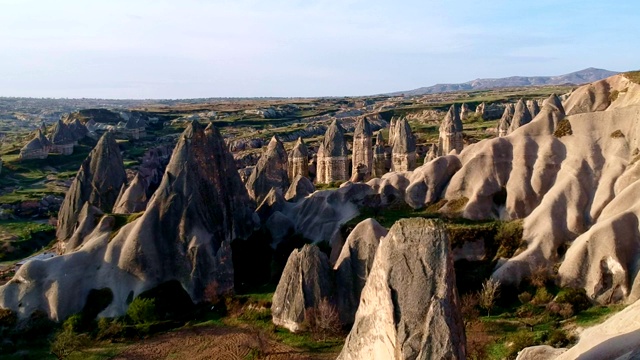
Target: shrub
563,310
469,308
558,338
563,128
519,341
73,323
8,318
576,297
539,276
323,318
211,293
489,294
509,238
542,297
525,297
142,311
66,342
109,329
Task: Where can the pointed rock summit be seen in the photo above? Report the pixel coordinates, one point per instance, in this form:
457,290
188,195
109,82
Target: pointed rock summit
505,121
450,133
362,158
62,138
403,153
379,166
521,116
432,154
98,182
534,107
333,156
409,308
133,199
354,265
270,172
305,282
298,160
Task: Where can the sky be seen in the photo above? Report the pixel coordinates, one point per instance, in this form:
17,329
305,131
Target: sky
143,49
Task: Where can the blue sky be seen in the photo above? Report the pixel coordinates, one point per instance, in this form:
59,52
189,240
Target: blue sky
198,48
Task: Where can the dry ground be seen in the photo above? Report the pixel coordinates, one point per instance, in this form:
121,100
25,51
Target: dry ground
215,342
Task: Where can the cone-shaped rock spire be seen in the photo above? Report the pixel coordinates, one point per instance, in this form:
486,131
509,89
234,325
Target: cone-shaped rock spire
270,172
521,116
333,156
450,133
403,153
362,158
98,182
298,160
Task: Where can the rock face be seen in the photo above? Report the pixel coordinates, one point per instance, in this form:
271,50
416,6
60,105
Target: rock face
403,153
298,160
505,121
464,111
184,235
362,158
300,187
534,107
37,148
392,130
540,352
431,154
133,198
480,110
354,265
270,172
98,182
305,282
409,308
450,133
521,116
379,157
333,156
62,138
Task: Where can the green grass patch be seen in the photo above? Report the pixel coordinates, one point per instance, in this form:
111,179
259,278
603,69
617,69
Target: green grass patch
596,314
633,76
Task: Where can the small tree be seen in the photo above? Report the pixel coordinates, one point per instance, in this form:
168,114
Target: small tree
323,319
488,295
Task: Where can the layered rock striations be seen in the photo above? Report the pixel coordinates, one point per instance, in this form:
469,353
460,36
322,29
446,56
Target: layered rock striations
298,164
521,116
403,153
98,182
409,308
333,156
270,172
184,235
450,133
362,151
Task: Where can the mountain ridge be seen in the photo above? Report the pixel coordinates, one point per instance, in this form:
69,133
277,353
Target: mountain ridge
583,76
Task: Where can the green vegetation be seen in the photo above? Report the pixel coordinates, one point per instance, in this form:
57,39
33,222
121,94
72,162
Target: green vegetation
19,238
563,129
633,76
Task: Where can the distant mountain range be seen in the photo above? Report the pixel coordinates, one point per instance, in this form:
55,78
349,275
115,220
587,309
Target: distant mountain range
579,77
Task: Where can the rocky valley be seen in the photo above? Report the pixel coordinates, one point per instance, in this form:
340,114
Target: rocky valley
480,223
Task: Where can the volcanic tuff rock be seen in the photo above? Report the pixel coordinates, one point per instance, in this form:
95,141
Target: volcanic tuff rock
379,157
431,154
540,352
184,235
305,282
450,137
298,160
98,182
464,111
403,153
132,198
521,116
409,308
300,187
354,265
534,107
270,172
362,157
333,156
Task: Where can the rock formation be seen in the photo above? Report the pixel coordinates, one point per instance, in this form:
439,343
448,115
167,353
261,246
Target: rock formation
480,110
505,121
450,133
132,198
521,116
403,153
184,236
392,130
362,151
98,182
300,187
540,352
37,148
379,157
464,111
534,107
298,160
431,154
409,308
270,172
354,265
333,156
78,129
305,282
62,139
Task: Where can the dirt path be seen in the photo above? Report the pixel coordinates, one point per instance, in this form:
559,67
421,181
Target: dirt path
223,343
